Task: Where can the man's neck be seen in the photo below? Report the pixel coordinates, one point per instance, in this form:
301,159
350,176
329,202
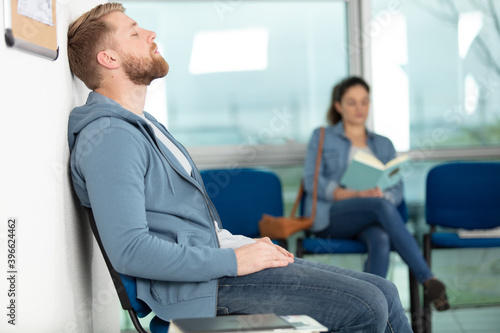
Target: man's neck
131,97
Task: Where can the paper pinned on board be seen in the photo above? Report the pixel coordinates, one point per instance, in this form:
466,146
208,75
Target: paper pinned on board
39,10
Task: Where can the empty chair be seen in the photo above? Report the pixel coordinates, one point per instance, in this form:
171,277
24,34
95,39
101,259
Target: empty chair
460,196
241,196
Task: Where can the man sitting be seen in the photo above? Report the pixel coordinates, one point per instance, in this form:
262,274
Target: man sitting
154,216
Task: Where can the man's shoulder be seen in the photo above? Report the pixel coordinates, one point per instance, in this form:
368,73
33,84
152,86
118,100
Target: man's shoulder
109,134
107,124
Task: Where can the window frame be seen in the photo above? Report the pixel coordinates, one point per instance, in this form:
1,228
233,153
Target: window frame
293,153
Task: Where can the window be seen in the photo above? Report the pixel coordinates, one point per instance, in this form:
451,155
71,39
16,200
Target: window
436,72
245,73
436,84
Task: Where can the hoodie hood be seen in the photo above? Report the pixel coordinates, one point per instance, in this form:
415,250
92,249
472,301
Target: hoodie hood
99,106
83,115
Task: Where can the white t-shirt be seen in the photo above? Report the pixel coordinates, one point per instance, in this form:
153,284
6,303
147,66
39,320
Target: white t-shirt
226,239
170,145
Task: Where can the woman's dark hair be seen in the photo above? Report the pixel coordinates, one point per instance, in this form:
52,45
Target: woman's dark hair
333,116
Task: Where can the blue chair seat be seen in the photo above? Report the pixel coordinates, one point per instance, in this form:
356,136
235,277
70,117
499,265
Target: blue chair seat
324,246
315,245
451,240
158,326
140,308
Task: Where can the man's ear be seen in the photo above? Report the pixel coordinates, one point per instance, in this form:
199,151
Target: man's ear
108,58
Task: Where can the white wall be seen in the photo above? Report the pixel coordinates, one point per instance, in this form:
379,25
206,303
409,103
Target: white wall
62,283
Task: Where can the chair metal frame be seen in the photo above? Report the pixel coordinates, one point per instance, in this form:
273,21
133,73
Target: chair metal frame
116,277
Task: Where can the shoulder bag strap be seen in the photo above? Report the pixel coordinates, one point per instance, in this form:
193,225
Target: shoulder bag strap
316,175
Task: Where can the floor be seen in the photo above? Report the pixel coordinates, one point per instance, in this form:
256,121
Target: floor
470,320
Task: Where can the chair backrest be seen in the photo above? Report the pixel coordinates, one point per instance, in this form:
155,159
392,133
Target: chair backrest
125,285
464,195
241,196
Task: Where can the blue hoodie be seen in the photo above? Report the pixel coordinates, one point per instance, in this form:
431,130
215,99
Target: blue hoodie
156,222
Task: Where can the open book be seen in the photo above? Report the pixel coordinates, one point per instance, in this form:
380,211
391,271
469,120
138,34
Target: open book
366,171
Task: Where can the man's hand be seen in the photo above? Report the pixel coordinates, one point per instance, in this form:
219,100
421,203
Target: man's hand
260,255
270,242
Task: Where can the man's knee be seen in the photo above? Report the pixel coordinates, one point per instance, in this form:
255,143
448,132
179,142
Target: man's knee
373,311
388,289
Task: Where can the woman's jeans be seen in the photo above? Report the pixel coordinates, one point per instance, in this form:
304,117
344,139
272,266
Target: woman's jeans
343,300
378,224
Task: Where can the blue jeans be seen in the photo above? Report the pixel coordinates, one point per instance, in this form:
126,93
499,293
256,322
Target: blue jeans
343,300
378,224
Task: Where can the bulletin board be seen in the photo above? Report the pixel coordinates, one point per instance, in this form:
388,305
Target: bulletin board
30,25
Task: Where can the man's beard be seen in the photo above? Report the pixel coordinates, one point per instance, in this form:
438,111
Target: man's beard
142,71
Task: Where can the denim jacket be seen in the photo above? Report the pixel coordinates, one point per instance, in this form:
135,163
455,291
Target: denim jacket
334,161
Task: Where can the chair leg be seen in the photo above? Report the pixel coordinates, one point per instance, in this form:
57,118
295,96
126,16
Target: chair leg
300,249
427,248
135,321
427,315
415,309
283,243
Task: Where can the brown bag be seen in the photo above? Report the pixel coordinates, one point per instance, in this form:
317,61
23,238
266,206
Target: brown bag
281,227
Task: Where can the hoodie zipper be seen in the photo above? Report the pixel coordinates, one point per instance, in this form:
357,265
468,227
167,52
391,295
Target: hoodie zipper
202,189
209,203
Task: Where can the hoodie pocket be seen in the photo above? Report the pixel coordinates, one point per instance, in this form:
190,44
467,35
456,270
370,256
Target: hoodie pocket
165,292
193,238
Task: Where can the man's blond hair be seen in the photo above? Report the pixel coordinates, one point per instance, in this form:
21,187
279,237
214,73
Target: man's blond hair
87,36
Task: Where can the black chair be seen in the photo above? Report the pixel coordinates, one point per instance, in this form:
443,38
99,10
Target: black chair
460,196
241,196
127,290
